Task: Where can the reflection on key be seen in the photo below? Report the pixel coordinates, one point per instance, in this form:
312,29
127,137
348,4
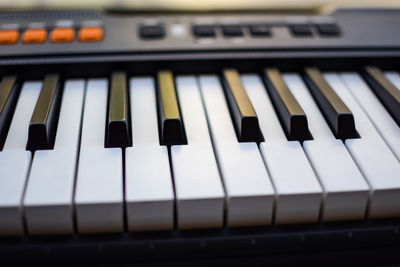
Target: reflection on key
43,125
375,160
148,188
199,192
99,186
345,190
250,194
288,109
297,188
336,113
8,99
118,132
242,111
385,90
15,161
48,198
376,112
172,131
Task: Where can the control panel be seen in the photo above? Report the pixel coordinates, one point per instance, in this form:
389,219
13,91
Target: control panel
93,32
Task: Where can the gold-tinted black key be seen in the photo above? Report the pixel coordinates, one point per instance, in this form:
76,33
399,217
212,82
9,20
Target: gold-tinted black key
118,132
8,99
243,114
337,114
43,125
171,127
388,94
290,113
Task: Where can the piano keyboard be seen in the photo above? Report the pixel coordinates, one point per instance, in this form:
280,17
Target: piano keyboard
151,153
183,136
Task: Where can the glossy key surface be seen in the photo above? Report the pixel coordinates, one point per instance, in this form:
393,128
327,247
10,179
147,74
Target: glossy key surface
44,120
8,98
242,111
171,127
388,94
288,109
118,132
336,113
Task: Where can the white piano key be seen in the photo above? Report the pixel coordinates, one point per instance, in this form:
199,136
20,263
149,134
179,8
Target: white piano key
345,190
48,198
299,193
394,77
149,189
15,161
375,160
199,191
99,184
250,194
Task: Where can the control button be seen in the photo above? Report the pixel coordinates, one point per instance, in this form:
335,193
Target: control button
328,29
260,30
9,36
91,34
178,31
232,30
34,36
152,31
301,30
204,30
62,35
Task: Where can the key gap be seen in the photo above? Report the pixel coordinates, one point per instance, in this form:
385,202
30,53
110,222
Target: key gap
272,183
124,212
107,111
175,210
74,216
321,208
366,214
225,217
24,221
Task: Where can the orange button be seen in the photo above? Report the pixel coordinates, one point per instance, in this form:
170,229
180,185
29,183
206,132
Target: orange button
9,36
32,36
62,35
91,34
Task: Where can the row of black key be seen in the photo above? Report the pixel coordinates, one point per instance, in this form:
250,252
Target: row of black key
43,124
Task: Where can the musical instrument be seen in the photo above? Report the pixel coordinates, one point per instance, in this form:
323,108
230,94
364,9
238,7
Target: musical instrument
138,136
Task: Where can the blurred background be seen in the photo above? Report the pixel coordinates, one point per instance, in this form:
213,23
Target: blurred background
319,6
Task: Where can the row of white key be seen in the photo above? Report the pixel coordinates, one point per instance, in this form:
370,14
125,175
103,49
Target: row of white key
373,157
345,190
280,175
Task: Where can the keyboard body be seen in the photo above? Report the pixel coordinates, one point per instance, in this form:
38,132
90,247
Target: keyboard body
366,37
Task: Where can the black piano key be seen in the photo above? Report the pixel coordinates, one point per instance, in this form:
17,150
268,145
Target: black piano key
289,110
243,114
388,94
172,131
337,114
43,124
118,132
8,99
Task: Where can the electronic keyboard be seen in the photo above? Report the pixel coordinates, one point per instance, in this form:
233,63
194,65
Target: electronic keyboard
128,137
